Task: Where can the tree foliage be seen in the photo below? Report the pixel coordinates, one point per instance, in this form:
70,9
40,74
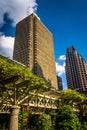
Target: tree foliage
16,82
20,120
45,122
67,119
84,126
72,96
75,99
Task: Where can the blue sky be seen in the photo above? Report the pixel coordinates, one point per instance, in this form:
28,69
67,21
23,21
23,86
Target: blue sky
66,19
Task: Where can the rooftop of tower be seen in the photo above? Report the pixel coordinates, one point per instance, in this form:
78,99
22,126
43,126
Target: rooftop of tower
34,15
72,48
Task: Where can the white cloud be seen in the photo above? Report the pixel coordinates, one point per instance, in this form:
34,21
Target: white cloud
60,69
60,65
62,57
17,9
6,46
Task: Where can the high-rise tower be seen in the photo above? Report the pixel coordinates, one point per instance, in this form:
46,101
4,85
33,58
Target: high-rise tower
60,85
34,48
76,72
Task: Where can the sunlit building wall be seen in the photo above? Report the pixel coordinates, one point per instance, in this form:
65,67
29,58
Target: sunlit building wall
76,70
34,48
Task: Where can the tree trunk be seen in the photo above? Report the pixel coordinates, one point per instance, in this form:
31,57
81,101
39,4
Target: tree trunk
13,124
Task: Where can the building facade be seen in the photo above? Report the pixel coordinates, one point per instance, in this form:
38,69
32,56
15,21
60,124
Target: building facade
34,48
76,70
59,81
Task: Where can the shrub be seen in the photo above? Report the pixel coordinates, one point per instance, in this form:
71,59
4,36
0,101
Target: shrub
67,119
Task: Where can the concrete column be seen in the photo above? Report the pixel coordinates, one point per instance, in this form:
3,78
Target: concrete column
13,124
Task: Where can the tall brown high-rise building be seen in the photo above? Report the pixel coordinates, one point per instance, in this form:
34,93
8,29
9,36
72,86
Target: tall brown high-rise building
76,70
34,48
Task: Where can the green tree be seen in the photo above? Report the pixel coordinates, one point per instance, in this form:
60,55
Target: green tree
67,119
16,84
20,120
71,96
84,126
45,122
74,99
